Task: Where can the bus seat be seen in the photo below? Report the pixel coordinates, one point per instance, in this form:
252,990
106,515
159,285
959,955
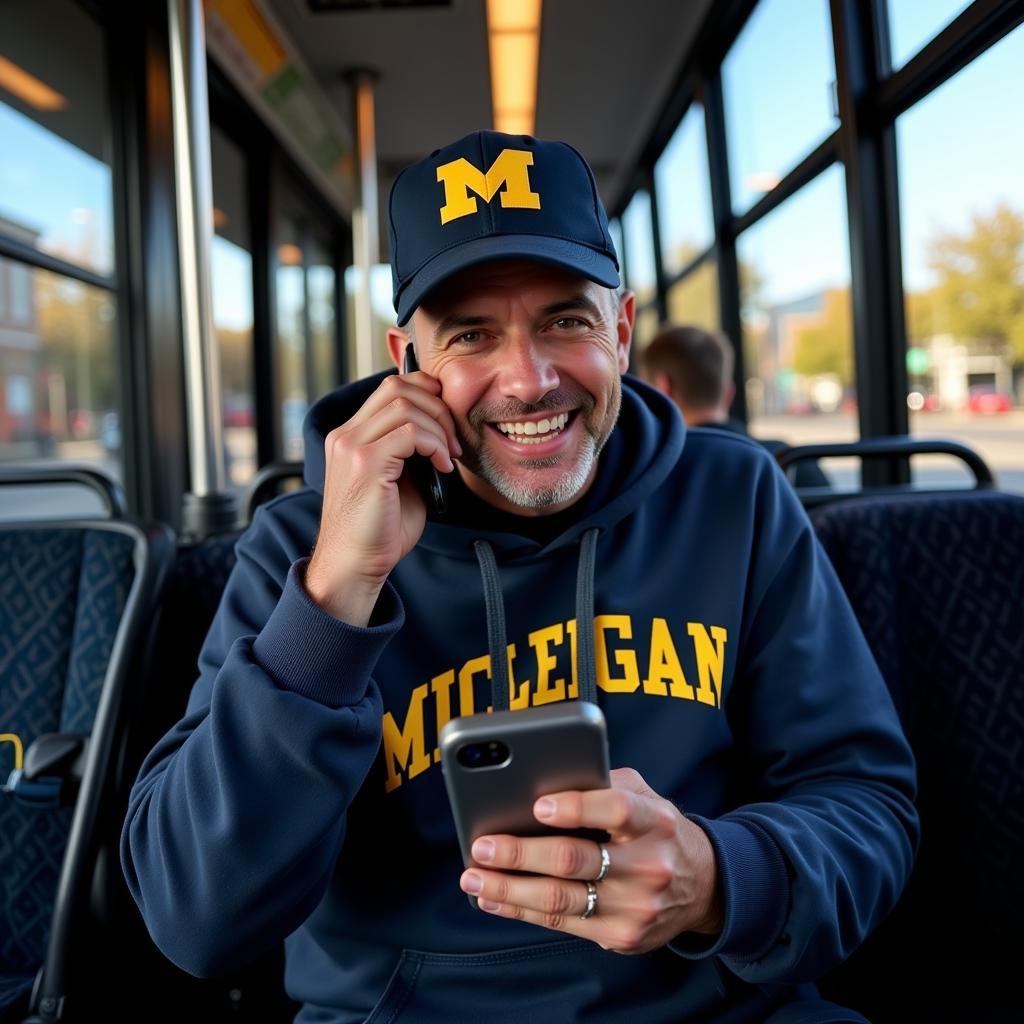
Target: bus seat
76,597
272,480
254,993
937,583
894,450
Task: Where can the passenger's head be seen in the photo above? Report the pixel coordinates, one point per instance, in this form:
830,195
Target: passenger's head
506,279
694,368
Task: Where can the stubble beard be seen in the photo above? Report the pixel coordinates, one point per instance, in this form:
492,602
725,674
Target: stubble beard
517,488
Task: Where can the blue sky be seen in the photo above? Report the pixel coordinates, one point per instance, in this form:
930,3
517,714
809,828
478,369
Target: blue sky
961,151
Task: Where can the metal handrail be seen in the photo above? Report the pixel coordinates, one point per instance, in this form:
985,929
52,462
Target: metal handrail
29,474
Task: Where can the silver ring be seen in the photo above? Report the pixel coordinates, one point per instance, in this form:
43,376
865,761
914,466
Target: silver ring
606,863
591,902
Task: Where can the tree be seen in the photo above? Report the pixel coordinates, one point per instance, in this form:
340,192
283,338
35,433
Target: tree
827,346
980,292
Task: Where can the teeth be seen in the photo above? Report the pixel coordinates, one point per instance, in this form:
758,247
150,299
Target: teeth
534,431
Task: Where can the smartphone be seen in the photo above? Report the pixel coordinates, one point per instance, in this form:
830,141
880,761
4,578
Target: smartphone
430,481
497,765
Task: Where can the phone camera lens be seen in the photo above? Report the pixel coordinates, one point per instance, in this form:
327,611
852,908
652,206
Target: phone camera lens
483,755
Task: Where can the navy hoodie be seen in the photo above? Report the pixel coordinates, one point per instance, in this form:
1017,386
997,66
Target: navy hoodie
301,798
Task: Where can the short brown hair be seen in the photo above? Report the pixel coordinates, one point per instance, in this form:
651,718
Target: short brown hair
696,361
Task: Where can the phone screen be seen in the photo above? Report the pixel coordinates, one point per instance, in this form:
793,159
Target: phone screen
430,481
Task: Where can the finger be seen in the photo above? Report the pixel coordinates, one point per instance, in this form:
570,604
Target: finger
392,421
550,902
410,438
557,856
418,388
621,812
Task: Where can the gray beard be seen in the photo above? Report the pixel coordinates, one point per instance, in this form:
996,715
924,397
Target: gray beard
519,492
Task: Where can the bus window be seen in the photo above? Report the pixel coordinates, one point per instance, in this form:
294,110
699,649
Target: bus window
963,260
912,24
231,271
797,329
638,239
777,111
58,367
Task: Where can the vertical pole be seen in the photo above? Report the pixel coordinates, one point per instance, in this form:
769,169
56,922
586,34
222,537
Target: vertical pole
868,149
207,507
365,219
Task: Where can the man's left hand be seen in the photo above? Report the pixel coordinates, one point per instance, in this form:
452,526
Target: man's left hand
662,878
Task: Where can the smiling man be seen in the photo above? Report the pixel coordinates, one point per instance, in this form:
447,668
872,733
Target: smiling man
760,815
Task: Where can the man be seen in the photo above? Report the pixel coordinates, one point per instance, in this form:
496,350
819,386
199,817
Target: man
694,368
761,816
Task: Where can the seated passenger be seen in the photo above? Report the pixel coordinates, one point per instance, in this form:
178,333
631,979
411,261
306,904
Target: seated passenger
761,816
694,368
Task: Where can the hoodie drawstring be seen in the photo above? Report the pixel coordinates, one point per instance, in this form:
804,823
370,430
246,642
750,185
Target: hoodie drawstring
495,607
586,664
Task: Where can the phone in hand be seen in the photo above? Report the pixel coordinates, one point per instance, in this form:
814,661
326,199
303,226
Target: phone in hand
496,766
429,480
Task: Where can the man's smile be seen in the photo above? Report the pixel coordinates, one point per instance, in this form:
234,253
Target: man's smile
536,430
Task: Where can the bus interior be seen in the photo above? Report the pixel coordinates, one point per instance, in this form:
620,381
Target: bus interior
194,247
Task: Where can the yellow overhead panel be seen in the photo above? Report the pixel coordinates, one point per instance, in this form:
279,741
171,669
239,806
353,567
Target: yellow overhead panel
28,88
514,124
513,15
514,77
259,45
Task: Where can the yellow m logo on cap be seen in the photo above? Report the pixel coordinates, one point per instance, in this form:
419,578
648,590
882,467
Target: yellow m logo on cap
460,177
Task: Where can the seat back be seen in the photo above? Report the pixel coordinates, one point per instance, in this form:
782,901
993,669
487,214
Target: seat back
255,993
75,597
937,583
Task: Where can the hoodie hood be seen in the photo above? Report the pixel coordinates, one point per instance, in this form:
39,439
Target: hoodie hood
656,436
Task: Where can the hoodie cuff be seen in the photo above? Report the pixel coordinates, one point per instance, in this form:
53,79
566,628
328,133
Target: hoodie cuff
311,653
755,890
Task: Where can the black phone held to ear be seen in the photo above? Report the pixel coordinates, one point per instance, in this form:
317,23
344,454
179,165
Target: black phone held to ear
430,481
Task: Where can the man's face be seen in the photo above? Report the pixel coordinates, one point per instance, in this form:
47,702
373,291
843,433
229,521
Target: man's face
529,359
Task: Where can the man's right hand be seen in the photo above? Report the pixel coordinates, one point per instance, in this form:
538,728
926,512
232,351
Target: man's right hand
373,515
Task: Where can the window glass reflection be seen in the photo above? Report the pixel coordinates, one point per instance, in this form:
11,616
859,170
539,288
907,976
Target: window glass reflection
694,299
231,272
913,23
322,319
382,312
55,178
963,260
779,84
797,323
646,326
684,194
58,374
638,235
291,340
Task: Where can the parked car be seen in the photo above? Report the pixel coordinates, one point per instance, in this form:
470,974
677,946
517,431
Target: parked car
987,400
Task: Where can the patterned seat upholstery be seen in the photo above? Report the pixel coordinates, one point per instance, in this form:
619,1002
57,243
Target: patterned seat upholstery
937,583
255,993
72,597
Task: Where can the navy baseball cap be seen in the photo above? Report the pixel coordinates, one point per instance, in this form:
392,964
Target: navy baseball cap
491,196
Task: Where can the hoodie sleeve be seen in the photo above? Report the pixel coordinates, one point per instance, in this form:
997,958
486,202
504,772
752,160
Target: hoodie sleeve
238,814
822,851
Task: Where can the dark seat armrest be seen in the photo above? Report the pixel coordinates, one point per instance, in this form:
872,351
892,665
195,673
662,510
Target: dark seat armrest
52,770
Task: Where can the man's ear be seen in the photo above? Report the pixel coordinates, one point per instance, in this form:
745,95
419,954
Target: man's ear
727,396
397,340
662,382
624,328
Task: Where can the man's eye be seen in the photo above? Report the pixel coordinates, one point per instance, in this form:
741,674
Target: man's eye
567,323
467,338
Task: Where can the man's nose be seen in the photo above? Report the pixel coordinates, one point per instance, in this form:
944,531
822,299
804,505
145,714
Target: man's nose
527,373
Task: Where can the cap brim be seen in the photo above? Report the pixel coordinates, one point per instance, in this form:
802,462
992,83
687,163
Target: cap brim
581,259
